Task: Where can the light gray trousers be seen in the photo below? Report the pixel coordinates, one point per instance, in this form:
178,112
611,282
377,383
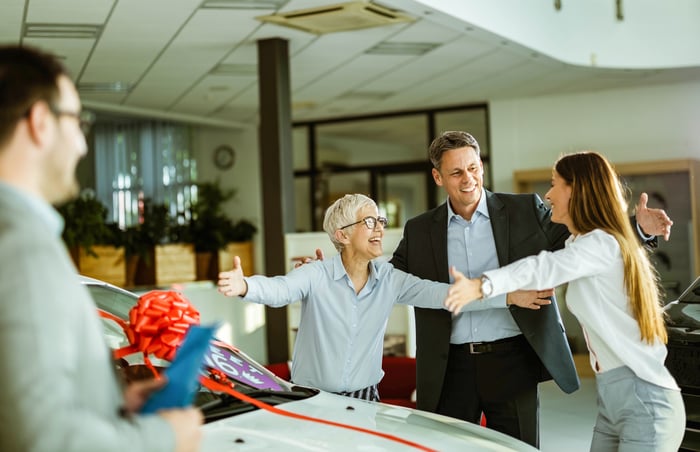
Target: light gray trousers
635,415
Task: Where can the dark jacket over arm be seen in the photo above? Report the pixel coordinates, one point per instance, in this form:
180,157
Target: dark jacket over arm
521,227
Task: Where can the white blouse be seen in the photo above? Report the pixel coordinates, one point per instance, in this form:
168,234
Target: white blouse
592,264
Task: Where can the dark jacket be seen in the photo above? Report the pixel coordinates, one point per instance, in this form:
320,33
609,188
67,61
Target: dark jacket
521,227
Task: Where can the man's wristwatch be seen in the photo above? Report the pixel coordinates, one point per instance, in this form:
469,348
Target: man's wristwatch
486,287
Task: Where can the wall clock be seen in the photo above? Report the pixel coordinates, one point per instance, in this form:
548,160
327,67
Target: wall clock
224,157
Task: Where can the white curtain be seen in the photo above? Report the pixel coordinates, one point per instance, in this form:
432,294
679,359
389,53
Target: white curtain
139,160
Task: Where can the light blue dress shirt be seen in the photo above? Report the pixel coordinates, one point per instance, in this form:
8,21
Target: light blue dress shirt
49,326
340,340
43,210
471,248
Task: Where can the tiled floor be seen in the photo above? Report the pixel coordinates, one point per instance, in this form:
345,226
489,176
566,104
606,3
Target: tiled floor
566,420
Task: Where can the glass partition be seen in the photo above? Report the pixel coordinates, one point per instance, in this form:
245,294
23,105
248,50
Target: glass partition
382,156
372,141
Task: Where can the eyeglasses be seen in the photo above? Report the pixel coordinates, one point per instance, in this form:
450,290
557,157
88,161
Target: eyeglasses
85,118
370,222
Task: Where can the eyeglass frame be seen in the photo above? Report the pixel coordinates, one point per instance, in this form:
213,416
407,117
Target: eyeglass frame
376,220
85,118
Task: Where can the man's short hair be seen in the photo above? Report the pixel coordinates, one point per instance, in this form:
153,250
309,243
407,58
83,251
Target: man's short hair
448,141
27,75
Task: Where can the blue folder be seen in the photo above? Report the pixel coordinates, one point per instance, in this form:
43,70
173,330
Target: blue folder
183,374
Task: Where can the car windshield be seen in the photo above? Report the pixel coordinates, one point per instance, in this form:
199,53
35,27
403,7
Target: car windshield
691,295
248,376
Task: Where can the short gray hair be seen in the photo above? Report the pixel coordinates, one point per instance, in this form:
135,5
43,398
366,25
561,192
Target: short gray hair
343,212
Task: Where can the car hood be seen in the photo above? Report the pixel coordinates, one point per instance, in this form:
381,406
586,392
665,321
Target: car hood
263,430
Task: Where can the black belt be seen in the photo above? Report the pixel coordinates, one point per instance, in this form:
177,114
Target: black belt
502,345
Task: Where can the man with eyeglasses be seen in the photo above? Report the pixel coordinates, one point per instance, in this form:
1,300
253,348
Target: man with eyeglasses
58,386
345,301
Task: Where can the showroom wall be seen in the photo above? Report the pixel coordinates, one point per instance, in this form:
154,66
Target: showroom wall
627,125
243,176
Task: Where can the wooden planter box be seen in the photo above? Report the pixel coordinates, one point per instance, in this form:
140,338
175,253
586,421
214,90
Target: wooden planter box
210,264
109,265
171,263
244,250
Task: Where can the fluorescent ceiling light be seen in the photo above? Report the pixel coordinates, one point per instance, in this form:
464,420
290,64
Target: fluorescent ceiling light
402,48
243,4
80,31
104,87
366,95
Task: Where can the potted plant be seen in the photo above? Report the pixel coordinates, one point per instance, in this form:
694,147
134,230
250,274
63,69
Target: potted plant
137,247
94,244
239,243
210,228
165,256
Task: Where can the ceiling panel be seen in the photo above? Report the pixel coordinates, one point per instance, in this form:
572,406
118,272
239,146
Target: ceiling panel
213,92
324,55
11,13
167,50
73,52
442,60
425,31
131,42
351,76
477,84
68,11
204,41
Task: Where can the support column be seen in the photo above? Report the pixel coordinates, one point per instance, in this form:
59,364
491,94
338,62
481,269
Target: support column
277,177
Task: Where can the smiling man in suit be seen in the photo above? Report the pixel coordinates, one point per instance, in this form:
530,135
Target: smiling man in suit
490,358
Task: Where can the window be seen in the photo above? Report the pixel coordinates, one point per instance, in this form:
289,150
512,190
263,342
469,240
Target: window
135,161
384,156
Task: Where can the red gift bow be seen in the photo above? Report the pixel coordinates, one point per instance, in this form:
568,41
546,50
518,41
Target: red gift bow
157,325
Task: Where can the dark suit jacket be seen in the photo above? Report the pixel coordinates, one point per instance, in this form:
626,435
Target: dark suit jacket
521,227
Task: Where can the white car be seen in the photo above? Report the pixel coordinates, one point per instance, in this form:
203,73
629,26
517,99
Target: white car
292,417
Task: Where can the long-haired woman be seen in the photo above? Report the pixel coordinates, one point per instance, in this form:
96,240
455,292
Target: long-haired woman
613,292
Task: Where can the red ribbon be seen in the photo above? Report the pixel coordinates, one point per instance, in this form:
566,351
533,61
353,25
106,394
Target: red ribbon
157,325
218,381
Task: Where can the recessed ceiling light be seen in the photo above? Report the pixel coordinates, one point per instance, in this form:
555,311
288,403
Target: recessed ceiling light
242,4
402,48
104,87
81,31
366,95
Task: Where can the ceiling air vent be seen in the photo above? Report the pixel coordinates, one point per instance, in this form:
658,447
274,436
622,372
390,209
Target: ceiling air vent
339,17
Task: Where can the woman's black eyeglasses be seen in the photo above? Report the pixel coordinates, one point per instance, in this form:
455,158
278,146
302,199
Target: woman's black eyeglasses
370,222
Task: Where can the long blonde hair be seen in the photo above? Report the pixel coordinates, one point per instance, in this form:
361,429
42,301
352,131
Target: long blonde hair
598,202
